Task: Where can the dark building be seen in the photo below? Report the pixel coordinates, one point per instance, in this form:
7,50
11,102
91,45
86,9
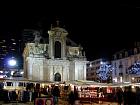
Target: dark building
10,48
27,35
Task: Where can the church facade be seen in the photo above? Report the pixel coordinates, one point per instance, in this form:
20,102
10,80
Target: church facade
59,59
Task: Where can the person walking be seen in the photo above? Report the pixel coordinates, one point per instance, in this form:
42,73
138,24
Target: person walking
71,98
119,96
137,96
56,94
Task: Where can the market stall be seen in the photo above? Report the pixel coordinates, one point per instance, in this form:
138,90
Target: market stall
95,92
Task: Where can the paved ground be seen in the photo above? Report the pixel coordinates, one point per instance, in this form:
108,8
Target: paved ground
61,103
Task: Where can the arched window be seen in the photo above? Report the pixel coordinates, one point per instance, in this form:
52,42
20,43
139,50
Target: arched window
57,49
57,77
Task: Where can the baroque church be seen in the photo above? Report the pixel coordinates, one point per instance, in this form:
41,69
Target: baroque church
59,59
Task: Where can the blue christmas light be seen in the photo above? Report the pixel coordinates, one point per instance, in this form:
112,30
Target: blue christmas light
135,68
104,71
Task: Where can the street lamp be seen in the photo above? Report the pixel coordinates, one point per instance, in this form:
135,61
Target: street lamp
11,65
133,80
12,62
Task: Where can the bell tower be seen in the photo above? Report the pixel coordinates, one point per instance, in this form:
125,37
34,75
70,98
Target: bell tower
57,42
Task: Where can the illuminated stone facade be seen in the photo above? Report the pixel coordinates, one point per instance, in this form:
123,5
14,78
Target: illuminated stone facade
121,62
58,60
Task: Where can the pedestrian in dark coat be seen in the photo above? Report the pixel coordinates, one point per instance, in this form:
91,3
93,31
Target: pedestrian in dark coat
120,96
71,98
137,96
56,94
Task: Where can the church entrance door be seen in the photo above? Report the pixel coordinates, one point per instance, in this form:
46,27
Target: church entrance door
57,77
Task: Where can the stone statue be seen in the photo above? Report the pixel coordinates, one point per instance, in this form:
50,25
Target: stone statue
80,50
31,50
84,54
39,49
46,52
37,37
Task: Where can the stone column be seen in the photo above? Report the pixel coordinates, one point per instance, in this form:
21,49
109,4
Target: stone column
63,48
51,73
30,67
84,73
51,48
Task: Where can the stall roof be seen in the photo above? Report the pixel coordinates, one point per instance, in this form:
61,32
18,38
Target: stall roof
97,84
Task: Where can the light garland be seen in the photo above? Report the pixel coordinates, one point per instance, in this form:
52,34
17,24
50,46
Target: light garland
135,68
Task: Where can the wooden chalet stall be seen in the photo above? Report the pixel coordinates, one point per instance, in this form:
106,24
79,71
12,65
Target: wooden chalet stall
91,91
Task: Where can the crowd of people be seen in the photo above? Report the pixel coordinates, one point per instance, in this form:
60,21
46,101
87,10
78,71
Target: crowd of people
73,96
128,96
124,96
30,95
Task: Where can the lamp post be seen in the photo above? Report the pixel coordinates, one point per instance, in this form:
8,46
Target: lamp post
12,63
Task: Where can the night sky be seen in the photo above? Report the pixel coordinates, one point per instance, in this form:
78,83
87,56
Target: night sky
102,28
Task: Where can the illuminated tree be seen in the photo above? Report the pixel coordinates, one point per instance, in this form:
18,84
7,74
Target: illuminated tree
104,71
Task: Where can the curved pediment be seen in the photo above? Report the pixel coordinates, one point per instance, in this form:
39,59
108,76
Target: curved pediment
58,32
